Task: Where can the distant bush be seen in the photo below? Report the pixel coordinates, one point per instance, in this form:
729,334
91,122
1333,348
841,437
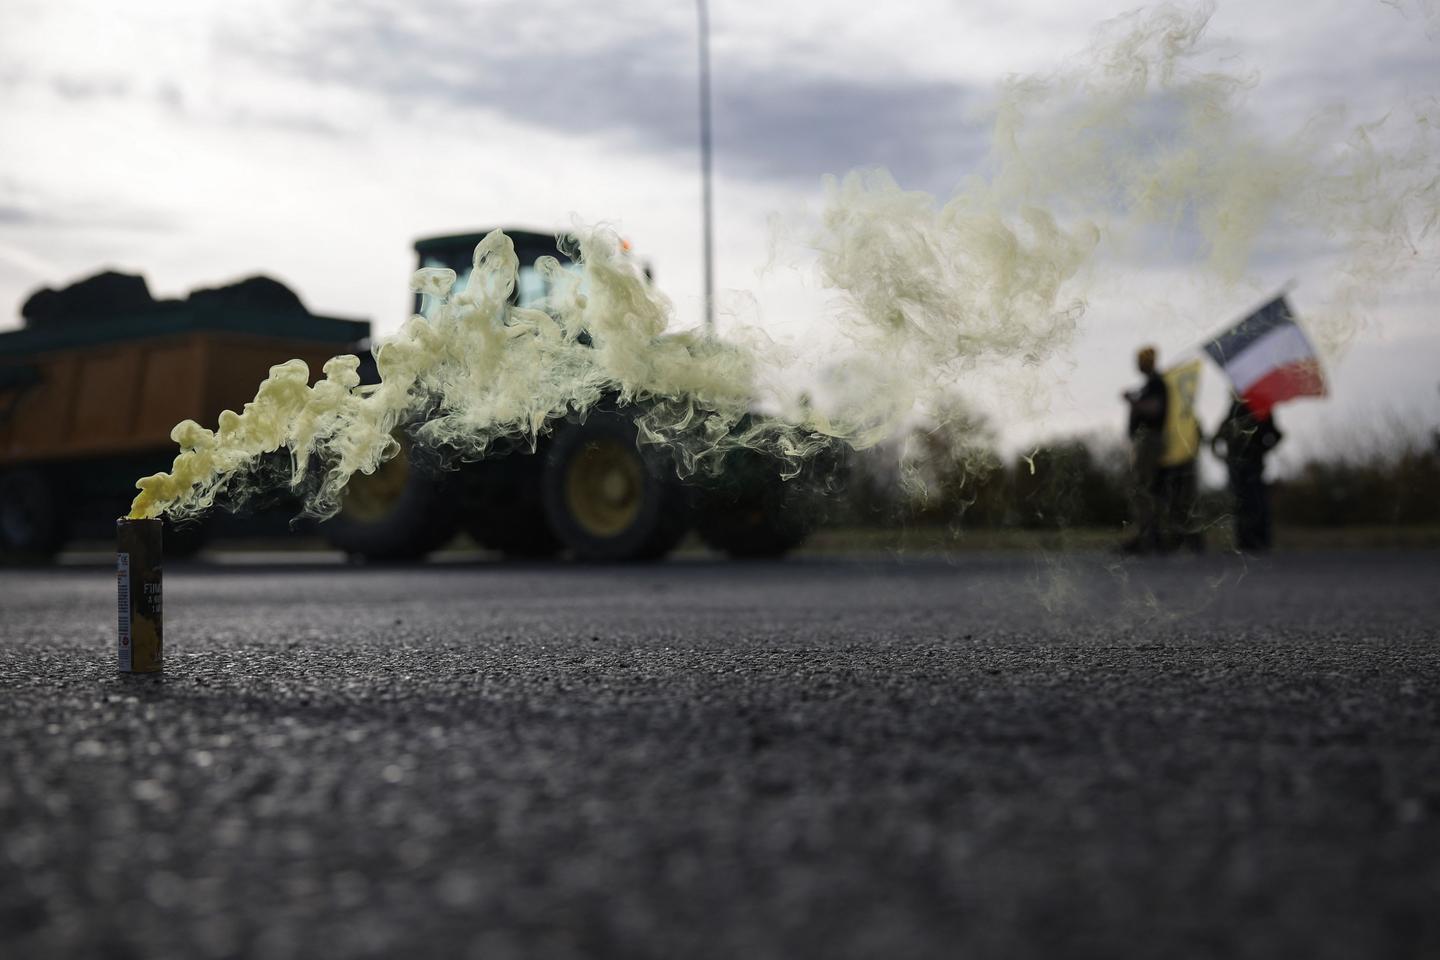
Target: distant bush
955,477
1070,483
951,477
1396,487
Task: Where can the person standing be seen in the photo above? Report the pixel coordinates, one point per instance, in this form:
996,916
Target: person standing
1147,445
1242,441
1180,521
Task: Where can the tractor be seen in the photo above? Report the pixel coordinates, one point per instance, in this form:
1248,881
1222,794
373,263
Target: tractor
587,487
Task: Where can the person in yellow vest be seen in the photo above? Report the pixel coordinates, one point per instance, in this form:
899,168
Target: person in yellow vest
1180,522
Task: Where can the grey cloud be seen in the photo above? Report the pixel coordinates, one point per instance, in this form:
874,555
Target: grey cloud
65,215
293,119
171,95
15,216
637,82
915,129
302,123
77,87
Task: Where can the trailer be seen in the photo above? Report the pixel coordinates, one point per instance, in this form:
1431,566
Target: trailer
93,384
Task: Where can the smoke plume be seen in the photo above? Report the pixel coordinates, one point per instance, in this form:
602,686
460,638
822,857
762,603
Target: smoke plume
1142,139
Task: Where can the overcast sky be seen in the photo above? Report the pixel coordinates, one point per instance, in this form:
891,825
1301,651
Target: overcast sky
197,142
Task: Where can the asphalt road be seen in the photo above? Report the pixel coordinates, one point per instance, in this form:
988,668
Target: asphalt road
998,756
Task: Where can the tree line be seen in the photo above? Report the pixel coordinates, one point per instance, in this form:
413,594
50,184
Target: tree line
956,476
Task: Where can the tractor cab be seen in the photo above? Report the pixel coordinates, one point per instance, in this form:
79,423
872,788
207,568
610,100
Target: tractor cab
457,252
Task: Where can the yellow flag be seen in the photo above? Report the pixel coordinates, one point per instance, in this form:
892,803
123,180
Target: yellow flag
1182,430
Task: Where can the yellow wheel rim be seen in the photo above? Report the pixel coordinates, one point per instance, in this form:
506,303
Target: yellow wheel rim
369,498
604,484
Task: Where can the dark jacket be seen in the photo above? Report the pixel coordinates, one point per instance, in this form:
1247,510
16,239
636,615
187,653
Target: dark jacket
1244,439
1148,406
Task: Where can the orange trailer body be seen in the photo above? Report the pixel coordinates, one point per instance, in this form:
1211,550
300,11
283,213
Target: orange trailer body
126,396
87,406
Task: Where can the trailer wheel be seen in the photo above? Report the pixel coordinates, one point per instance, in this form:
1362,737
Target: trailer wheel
606,500
30,523
402,511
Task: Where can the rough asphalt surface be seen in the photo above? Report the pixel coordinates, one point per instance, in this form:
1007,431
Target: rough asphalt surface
997,756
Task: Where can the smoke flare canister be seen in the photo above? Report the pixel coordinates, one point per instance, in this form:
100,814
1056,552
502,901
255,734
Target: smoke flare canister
137,564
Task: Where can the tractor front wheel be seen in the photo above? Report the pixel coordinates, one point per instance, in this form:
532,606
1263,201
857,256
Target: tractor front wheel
605,499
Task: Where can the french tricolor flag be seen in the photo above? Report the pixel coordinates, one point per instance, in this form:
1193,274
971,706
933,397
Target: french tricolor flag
1268,358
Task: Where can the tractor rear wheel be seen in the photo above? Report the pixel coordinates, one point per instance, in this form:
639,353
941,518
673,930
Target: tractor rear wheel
605,499
752,513
767,521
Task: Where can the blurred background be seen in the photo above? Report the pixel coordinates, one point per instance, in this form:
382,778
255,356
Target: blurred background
198,145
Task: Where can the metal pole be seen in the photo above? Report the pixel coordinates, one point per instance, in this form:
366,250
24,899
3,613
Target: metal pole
707,202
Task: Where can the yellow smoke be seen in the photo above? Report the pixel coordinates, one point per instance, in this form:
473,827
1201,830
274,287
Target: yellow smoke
1142,137
476,370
